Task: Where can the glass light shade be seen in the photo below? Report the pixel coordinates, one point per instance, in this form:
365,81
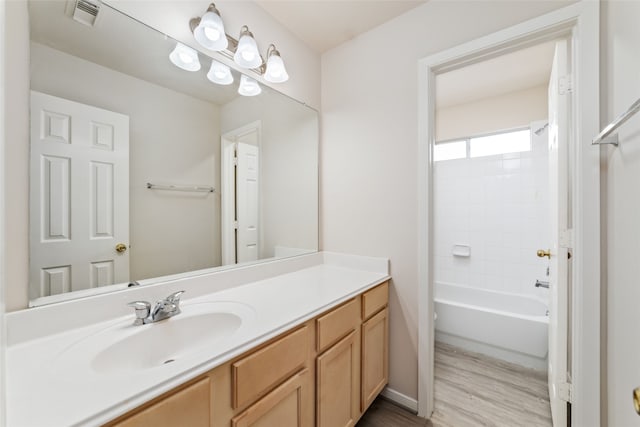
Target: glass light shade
220,73
210,32
249,86
247,54
275,72
185,57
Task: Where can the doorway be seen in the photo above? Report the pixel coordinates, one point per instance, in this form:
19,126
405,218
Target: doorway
577,23
495,198
79,196
240,208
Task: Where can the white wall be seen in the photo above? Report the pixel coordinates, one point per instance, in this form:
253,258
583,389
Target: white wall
288,168
170,232
620,87
369,147
499,206
508,111
16,172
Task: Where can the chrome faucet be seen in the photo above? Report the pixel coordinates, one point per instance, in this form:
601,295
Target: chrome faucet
168,307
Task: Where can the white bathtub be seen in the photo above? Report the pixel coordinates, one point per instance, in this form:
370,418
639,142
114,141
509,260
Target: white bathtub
506,326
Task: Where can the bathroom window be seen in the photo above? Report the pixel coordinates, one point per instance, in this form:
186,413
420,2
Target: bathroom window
514,141
450,150
501,143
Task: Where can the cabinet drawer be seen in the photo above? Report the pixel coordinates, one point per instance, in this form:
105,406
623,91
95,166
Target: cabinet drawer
189,407
337,324
289,405
259,372
375,299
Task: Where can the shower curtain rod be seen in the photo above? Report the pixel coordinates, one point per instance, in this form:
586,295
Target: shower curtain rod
604,138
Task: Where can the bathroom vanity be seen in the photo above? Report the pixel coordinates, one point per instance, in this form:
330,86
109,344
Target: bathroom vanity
296,342
333,365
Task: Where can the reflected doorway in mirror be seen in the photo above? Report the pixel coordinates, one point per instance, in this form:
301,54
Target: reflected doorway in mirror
79,196
241,194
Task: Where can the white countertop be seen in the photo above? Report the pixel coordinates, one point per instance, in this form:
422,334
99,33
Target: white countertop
43,392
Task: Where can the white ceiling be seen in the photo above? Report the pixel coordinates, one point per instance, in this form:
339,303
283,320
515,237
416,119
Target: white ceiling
519,70
324,24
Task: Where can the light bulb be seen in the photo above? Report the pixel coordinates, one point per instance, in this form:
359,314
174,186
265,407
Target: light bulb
211,33
220,73
275,72
249,86
247,55
185,57
210,30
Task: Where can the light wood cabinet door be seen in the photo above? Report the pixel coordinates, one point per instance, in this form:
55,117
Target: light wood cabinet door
375,356
189,407
338,384
289,405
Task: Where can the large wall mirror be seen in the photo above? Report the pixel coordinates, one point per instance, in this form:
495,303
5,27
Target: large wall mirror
140,169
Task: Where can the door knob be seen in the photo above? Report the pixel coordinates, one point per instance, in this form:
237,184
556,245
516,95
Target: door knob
636,399
121,248
542,253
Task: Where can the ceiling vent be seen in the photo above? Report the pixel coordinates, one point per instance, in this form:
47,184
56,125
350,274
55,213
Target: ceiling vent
86,12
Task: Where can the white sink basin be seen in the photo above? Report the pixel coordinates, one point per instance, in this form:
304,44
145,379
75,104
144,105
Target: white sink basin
124,348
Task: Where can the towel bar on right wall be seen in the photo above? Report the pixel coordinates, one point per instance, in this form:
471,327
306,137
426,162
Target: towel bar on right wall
605,136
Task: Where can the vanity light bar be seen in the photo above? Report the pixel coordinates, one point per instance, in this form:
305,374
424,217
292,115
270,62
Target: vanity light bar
232,47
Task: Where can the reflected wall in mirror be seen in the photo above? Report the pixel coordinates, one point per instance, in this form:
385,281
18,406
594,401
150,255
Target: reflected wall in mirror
111,114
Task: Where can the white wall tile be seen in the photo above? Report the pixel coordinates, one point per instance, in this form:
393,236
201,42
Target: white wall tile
498,205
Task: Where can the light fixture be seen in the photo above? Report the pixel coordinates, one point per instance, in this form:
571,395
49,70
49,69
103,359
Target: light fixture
209,30
220,73
185,57
249,86
275,71
247,54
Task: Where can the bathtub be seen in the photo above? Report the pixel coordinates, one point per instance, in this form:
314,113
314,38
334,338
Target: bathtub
506,326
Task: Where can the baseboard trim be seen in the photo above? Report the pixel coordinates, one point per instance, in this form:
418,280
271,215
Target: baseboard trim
400,399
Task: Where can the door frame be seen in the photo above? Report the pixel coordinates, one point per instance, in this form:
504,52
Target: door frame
2,219
227,186
579,23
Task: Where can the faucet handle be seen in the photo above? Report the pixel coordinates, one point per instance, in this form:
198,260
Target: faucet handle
142,310
174,298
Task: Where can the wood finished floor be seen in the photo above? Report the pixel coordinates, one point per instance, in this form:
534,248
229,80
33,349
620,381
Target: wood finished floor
473,390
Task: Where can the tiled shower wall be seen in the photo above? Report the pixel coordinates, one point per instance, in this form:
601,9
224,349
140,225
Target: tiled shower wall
499,206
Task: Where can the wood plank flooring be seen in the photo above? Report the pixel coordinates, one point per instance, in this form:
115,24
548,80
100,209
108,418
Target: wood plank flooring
383,413
473,390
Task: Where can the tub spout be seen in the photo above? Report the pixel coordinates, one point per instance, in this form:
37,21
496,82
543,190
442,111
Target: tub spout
541,284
